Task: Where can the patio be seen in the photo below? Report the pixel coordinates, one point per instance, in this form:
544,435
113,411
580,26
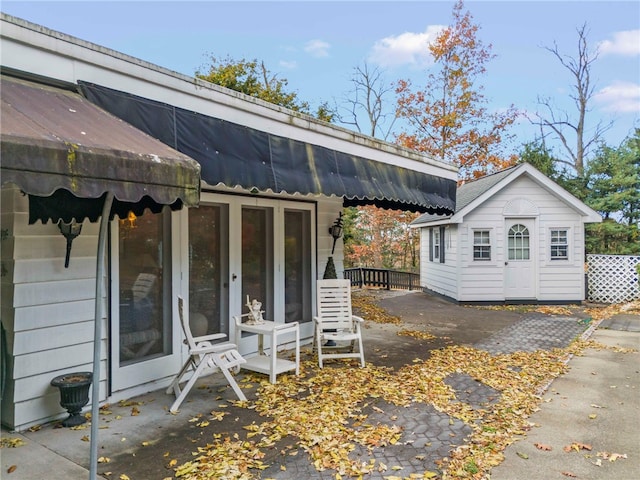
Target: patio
417,399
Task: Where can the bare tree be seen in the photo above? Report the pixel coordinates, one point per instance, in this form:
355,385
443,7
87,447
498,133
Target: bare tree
368,98
562,125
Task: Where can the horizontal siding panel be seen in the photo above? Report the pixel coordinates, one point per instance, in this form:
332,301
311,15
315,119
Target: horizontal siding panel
42,316
58,359
482,274
484,296
59,336
441,279
35,386
562,277
44,293
54,246
39,410
45,270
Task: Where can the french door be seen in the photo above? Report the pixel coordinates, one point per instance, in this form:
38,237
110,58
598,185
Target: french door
243,248
217,255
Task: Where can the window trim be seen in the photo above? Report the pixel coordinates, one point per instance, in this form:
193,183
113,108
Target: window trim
569,240
436,245
488,245
439,255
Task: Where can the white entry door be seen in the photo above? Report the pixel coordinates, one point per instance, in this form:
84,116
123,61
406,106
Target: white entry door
519,270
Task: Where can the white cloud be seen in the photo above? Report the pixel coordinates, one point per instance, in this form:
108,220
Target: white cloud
405,49
623,43
288,64
317,48
620,97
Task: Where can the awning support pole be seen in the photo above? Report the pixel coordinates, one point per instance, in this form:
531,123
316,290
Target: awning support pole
97,339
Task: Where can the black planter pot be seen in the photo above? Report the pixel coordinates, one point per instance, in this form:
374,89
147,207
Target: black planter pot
74,394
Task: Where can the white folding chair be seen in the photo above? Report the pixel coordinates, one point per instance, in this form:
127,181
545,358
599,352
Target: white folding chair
335,322
204,359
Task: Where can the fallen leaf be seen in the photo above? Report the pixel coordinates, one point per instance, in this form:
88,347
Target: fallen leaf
593,416
577,446
612,457
569,474
135,411
523,455
542,446
12,468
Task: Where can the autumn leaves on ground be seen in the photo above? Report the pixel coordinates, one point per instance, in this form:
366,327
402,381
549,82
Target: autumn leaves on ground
320,412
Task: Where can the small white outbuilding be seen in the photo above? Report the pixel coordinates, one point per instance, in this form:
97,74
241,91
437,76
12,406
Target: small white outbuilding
516,237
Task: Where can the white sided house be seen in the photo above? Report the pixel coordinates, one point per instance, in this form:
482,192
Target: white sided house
270,184
515,237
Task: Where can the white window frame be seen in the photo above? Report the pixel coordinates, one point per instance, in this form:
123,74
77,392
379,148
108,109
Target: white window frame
488,245
437,244
568,232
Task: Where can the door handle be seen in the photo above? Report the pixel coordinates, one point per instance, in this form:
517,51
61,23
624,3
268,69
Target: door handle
233,277
506,263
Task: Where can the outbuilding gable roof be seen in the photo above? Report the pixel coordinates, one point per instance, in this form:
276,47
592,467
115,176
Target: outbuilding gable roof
473,193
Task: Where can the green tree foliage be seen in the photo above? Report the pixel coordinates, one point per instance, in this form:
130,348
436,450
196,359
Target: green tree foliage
253,78
613,190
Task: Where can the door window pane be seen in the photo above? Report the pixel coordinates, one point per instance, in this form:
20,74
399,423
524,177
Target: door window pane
518,243
297,270
145,287
257,258
208,269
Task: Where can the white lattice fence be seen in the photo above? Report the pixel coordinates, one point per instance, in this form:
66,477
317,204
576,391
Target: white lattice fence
612,278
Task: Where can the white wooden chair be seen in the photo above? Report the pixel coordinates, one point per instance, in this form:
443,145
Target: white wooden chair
204,359
335,322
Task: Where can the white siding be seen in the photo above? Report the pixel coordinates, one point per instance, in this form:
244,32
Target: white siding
439,277
556,280
48,310
328,211
482,280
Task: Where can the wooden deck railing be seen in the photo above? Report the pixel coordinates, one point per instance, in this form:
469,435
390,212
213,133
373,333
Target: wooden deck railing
383,278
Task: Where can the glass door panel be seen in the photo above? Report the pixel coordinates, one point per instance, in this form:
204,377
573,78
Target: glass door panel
257,258
208,269
144,270
297,266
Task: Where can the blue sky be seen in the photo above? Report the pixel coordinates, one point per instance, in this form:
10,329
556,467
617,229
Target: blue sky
316,45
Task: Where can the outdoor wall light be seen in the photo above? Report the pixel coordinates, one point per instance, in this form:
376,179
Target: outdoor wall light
70,231
336,231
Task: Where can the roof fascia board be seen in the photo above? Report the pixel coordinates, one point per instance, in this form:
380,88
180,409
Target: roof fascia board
589,215
33,48
434,223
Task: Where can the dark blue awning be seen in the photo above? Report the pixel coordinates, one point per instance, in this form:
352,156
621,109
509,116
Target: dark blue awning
236,155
